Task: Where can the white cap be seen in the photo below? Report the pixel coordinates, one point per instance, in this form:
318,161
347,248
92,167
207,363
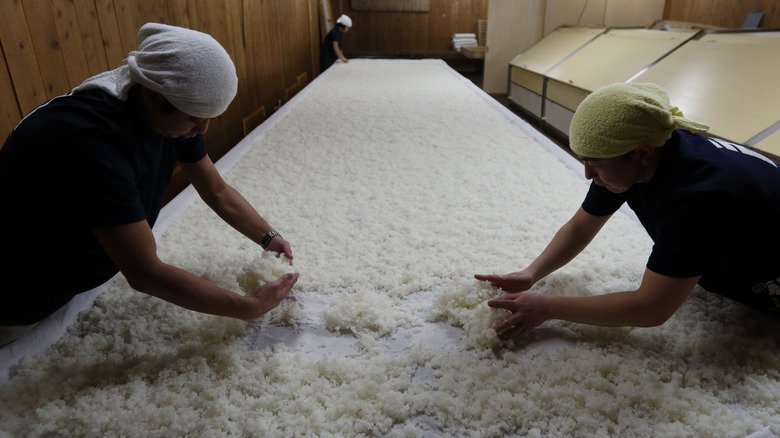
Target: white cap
344,20
190,68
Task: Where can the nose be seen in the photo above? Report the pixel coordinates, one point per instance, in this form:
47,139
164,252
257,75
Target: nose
589,174
202,127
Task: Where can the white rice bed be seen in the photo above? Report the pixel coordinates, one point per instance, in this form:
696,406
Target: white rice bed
395,182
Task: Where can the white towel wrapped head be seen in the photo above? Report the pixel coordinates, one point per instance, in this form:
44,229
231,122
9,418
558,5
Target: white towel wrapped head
190,68
344,21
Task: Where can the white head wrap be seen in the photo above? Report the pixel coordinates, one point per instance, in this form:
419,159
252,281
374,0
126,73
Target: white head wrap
344,20
189,68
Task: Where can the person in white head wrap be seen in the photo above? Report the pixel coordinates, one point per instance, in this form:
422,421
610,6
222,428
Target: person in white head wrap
710,207
189,68
86,174
330,51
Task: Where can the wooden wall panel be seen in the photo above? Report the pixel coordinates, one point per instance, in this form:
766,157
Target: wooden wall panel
91,36
314,38
178,13
20,55
9,106
47,47
109,31
723,13
391,5
293,42
70,40
264,53
129,19
410,33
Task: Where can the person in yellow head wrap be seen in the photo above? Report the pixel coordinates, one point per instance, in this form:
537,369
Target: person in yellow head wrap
710,207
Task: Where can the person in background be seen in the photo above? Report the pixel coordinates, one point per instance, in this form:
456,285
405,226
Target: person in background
83,177
710,207
331,47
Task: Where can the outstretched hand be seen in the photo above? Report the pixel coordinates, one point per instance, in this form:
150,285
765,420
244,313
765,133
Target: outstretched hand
281,246
514,282
527,314
271,294
525,308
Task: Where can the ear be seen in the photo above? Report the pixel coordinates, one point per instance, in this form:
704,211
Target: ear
150,98
646,153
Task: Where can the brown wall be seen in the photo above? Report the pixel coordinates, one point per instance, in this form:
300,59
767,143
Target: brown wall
50,46
723,13
409,33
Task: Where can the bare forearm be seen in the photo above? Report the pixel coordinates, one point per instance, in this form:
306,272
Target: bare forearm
237,212
614,309
339,53
657,299
567,243
192,292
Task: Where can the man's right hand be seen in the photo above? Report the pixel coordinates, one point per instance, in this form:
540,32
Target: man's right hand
271,294
514,282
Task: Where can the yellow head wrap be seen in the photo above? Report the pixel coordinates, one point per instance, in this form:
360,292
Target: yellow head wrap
617,118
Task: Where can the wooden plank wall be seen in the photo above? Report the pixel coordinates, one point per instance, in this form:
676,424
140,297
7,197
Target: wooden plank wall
723,13
50,46
392,33
391,5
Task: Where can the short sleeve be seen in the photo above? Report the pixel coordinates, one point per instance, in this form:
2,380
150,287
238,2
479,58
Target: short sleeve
104,190
192,150
686,236
601,202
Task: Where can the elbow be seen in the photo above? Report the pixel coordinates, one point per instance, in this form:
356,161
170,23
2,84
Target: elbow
655,321
141,283
654,317
144,278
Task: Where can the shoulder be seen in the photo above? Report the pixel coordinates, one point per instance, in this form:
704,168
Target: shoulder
601,202
88,125
63,115
717,152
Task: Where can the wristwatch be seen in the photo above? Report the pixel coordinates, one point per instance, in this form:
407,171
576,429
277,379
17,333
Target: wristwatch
267,239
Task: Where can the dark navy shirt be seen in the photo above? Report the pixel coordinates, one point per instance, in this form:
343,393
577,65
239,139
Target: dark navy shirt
328,56
77,162
712,209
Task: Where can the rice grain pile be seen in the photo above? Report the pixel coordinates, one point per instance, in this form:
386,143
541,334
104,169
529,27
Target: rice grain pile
396,182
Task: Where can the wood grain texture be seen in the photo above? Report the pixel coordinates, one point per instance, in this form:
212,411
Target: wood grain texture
399,33
9,106
69,33
48,50
391,5
723,13
20,56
